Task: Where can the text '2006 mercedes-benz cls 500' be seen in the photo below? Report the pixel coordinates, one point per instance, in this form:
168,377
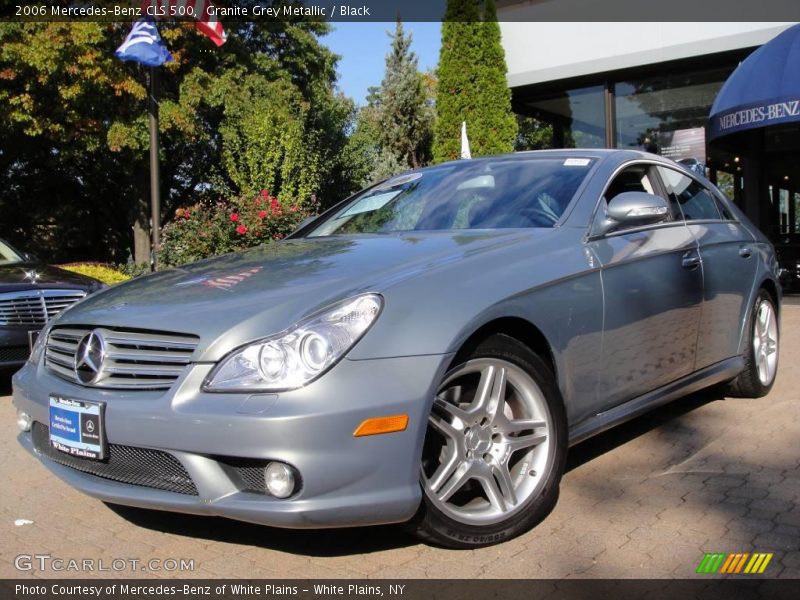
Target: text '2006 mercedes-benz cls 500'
424,352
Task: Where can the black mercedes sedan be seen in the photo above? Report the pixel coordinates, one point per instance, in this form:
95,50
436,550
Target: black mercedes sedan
32,293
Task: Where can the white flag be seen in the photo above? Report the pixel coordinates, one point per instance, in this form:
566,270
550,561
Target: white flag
465,153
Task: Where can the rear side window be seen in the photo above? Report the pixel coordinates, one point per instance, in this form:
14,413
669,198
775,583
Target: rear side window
727,215
696,202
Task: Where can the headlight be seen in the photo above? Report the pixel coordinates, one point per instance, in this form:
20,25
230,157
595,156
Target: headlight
39,344
299,355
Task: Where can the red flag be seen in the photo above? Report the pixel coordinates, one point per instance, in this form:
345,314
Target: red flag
201,10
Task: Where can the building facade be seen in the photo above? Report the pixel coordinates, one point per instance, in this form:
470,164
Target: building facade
651,86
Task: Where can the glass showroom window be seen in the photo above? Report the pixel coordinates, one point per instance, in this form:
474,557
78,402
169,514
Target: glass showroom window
577,117
667,115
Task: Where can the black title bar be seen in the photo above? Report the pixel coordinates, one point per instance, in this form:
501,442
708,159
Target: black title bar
436,589
232,11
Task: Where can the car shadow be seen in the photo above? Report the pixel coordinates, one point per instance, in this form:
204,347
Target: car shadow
5,381
620,435
306,542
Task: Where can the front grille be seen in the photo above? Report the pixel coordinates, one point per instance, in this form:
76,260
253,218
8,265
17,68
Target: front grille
14,354
142,467
35,307
138,359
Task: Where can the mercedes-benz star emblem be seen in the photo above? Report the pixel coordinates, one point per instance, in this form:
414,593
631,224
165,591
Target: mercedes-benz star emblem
90,426
89,358
32,276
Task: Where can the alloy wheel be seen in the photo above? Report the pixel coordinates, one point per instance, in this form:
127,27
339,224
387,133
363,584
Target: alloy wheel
765,342
489,444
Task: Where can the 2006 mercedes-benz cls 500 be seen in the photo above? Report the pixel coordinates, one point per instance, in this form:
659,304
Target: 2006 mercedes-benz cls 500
423,352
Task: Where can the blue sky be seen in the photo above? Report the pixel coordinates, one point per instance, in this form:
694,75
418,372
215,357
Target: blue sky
363,48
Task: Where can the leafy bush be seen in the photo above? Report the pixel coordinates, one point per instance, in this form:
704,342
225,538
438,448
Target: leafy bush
201,231
132,269
105,273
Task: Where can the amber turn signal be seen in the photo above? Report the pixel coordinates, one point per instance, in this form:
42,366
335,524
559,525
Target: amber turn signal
378,425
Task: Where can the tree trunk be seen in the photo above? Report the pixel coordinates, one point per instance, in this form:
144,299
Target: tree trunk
141,231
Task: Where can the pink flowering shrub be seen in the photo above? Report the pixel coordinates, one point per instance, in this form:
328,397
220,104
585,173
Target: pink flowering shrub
205,230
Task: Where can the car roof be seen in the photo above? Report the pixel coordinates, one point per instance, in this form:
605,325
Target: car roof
616,155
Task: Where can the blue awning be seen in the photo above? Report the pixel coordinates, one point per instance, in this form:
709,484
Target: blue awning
764,90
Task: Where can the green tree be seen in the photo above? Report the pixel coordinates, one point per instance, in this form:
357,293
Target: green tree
394,131
533,134
472,83
404,113
74,140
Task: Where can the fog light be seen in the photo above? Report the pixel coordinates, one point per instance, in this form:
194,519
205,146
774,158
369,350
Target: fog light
23,421
279,479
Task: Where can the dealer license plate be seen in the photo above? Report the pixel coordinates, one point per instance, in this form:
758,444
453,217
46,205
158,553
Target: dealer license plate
76,427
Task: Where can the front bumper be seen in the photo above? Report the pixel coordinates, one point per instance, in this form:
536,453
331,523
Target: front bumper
345,481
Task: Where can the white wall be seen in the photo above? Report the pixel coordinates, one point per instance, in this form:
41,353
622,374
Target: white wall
537,52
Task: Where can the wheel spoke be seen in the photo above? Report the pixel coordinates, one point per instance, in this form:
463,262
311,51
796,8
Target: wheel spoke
516,427
446,469
493,490
763,368
486,395
521,442
455,482
453,411
443,426
506,484
763,318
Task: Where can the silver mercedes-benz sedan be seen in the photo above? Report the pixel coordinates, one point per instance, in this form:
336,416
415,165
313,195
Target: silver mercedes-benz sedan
423,352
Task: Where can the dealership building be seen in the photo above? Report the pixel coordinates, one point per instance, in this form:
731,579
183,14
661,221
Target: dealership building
652,85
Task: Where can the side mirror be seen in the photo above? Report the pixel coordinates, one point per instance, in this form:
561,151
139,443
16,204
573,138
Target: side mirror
632,209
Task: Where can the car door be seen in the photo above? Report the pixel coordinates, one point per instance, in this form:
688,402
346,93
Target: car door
652,296
728,260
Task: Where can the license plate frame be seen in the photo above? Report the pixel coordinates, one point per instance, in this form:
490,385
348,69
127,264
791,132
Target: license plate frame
77,427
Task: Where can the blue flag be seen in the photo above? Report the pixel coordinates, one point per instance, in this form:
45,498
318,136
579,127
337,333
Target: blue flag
144,45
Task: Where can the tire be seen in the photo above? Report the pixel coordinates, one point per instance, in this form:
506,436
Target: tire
490,469
761,356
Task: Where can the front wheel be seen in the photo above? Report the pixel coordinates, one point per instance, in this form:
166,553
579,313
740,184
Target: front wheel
495,448
761,358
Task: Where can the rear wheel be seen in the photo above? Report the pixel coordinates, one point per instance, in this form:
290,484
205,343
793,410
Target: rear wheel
495,448
761,358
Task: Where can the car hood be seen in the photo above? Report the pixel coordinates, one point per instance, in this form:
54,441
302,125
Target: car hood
236,298
19,276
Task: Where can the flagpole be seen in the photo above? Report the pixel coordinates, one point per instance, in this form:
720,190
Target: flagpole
155,195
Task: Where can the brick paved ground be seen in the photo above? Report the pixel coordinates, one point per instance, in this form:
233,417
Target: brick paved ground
645,500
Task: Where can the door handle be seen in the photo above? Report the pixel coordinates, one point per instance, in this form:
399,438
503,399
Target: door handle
690,261
745,252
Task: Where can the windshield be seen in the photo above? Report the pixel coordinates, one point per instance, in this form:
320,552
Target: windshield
7,255
484,194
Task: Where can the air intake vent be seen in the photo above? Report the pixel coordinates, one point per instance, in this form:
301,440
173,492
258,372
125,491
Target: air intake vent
143,467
